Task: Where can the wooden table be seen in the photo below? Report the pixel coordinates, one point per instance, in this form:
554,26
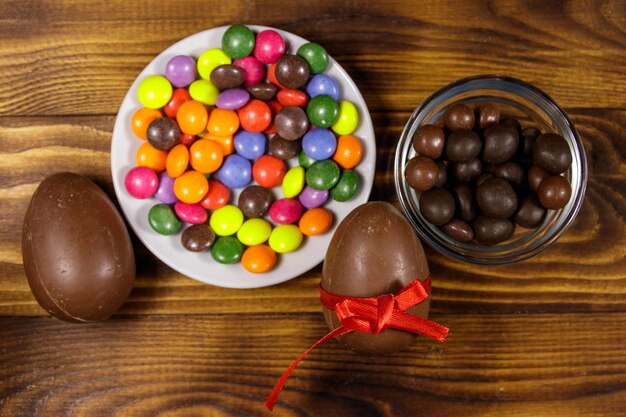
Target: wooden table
543,338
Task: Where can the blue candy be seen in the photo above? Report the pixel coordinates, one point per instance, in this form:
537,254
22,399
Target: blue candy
235,171
319,144
250,145
322,84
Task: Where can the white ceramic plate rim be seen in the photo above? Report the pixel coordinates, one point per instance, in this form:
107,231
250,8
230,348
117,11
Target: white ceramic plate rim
201,266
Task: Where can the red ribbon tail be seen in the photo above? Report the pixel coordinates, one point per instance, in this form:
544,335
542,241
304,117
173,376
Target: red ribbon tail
271,399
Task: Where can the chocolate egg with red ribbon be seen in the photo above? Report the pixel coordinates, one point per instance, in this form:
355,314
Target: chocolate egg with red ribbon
375,253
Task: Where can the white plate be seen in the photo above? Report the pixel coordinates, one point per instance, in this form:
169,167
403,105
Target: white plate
201,266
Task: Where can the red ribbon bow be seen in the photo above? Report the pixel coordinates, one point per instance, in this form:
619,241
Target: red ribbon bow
371,315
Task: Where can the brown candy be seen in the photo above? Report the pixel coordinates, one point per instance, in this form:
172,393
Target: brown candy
442,174
263,91
197,238
429,141
463,146
490,230
459,117
510,171
500,143
421,173
554,192
465,202
551,152
496,198
528,136
512,122
163,133
282,148
227,76
466,172
292,71
483,177
488,115
254,201
535,176
291,123
530,213
437,206
458,230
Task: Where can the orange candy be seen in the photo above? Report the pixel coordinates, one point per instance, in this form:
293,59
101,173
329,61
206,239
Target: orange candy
192,117
177,160
349,151
150,157
315,221
223,122
275,107
142,119
206,156
271,75
191,187
258,259
226,142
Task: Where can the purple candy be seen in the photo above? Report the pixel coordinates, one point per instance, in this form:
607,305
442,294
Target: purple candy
141,182
319,144
232,99
322,84
311,198
181,70
285,211
190,213
235,172
165,192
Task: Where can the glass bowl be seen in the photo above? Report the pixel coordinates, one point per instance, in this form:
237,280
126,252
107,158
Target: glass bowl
532,107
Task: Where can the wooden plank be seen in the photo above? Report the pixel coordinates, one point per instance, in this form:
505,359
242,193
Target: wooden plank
585,271
79,57
492,365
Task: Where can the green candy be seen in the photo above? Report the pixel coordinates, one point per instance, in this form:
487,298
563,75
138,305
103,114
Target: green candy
323,175
163,220
227,250
346,187
322,111
315,55
238,41
305,160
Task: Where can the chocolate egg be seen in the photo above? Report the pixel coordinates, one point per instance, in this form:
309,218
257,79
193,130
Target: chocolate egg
77,253
374,251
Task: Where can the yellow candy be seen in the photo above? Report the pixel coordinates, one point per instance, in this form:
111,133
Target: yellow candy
293,183
285,238
154,91
254,232
204,91
211,59
347,120
226,221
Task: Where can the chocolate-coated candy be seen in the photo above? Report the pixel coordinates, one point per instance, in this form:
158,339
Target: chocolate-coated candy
530,213
466,172
227,76
488,115
163,133
292,71
500,144
458,230
551,152
305,160
262,91
421,173
483,177
238,41
254,201
163,220
322,84
463,146
512,122
429,141
442,174
282,148
227,250
466,207
315,55
535,176
510,171
322,111
232,99
491,230
496,198
346,186
437,206
197,238
554,192
323,175
459,117
312,198
527,138
291,123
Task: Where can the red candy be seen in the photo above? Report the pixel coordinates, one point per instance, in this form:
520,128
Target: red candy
186,139
269,46
269,171
255,116
253,70
190,213
286,211
271,75
217,196
179,96
291,97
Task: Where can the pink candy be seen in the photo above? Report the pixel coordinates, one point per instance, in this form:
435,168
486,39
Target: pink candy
253,70
286,211
269,46
141,182
190,213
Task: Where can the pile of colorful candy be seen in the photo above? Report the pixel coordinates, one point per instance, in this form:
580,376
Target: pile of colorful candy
206,125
